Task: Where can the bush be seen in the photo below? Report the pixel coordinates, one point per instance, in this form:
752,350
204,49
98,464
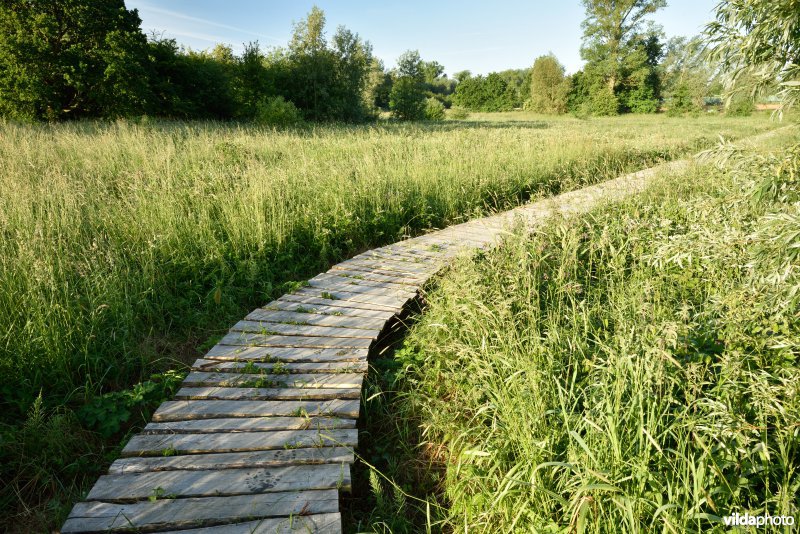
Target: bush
682,102
275,111
549,87
109,413
643,100
434,110
458,114
740,108
406,100
602,102
490,93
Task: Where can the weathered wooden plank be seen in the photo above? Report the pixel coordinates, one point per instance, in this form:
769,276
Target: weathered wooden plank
344,299
328,307
397,263
291,368
316,380
265,328
429,250
157,444
340,297
234,460
306,524
366,276
257,340
384,264
331,283
201,409
405,253
314,319
472,244
428,254
472,238
357,267
309,299
476,232
186,513
442,246
248,424
255,393
375,266
411,281
285,354
207,483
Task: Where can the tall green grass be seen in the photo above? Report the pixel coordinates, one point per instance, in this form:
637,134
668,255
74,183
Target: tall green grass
115,236
633,369
125,246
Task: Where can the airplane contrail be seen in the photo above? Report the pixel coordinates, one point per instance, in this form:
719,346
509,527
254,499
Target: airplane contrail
176,14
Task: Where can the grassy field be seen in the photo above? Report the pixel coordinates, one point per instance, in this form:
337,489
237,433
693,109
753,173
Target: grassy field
634,369
126,247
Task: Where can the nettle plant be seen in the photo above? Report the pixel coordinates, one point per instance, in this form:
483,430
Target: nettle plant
109,413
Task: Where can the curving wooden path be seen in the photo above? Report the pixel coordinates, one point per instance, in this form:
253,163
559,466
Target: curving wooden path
260,436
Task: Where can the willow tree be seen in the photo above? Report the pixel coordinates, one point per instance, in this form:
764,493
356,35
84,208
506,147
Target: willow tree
757,44
549,87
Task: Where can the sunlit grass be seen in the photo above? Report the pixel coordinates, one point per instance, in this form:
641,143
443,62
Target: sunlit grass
125,246
115,236
629,370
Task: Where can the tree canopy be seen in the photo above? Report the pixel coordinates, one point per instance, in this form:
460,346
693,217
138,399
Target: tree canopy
71,59
407,97
485,93
549,86
622,49
757,44
64,59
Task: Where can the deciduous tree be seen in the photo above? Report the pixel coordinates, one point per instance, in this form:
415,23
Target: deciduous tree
686,76
489,93
549,87
325,81
619,51
71,58
758,40
407,99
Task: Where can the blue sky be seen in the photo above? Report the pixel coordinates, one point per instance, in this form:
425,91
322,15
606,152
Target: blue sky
476,35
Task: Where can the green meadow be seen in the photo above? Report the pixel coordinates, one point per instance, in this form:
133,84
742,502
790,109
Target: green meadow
128,247
630,369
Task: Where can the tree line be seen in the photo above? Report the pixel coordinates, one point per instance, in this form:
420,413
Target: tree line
65,59
72,59
62,59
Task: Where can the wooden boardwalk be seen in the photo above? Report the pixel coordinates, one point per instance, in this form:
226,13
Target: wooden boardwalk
260,437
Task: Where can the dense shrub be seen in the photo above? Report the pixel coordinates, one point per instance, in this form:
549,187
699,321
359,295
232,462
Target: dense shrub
602,101
407,97
682,102
275,111
457,113
740,107
549,87
490,93
434,110
67,59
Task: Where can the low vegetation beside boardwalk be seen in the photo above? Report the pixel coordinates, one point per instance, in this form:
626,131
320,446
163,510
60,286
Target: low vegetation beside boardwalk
128,245
633,369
